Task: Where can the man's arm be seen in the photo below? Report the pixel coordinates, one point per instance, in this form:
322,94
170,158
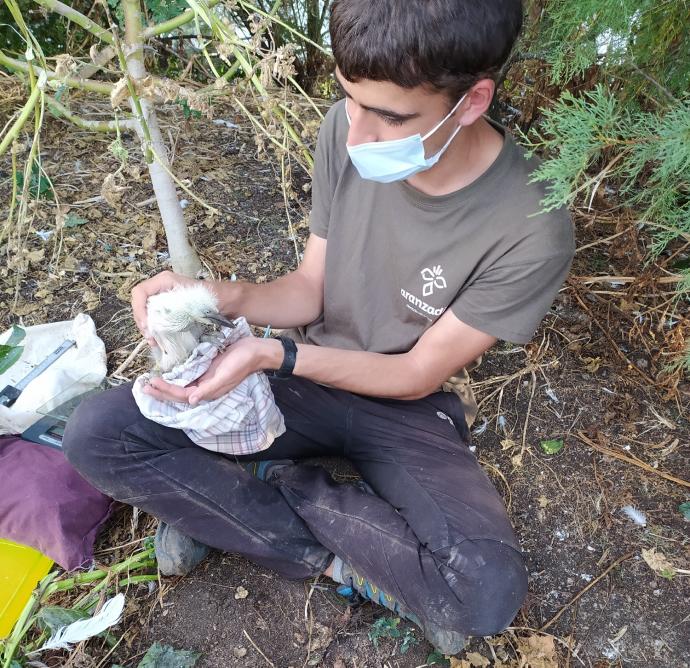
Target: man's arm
291,301
447,346
443,349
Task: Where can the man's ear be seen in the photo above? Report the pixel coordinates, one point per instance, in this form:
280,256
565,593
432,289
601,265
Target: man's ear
477,102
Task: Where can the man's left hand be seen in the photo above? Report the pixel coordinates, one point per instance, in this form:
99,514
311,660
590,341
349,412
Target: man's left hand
228,369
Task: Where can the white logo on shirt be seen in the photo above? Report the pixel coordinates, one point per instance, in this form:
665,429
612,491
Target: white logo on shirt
433,278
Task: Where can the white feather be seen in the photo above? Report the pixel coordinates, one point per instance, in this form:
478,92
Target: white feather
635,515
83,629
481,428
175,320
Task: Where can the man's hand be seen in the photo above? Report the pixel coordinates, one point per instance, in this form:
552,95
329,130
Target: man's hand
228,369
166,280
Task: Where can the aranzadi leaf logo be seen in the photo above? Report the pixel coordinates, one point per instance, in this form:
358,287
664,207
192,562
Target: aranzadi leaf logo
433,279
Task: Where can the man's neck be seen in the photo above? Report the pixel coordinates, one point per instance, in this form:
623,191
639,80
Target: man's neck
470,154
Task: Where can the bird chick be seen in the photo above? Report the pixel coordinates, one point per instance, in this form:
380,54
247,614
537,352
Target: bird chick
177,320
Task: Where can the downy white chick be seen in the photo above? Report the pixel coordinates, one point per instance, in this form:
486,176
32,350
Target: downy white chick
176,321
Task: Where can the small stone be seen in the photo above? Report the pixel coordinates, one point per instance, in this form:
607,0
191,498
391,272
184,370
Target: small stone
241,592
239,652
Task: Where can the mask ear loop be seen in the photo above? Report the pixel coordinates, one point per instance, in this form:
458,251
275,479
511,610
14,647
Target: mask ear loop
447,144
448,115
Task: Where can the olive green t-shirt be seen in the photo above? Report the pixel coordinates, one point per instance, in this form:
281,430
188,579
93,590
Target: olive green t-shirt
396,258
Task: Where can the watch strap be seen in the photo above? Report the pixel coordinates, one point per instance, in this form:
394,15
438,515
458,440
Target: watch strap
289,357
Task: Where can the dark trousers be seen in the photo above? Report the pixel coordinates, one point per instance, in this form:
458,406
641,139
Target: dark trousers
435,535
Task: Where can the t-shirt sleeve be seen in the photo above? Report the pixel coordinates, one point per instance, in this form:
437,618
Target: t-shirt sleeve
328,161
509,301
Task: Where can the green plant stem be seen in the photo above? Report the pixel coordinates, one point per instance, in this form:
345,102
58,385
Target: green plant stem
305,96
13,200
28,36
26,619
174,23
140,560
13,132
229,73
83,84
60,111
133,579
78,18
251,8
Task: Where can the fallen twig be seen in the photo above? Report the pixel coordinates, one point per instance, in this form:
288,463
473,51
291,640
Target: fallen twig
674,278
577,596
257,648
118,372
631,460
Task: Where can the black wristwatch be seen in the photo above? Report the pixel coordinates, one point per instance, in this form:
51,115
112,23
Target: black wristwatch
289,358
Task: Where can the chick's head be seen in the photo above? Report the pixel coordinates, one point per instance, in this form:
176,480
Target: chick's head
181,308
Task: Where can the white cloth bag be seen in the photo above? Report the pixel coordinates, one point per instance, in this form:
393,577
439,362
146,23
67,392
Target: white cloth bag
81,368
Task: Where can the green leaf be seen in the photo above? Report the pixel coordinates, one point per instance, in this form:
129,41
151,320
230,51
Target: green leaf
72,220
409,640
551,447
685,509
164,656
54,617
384,627
187,110
39,185
16,337
8,356
437,659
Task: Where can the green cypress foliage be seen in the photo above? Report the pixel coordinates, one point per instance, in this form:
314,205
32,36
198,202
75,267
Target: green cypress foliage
622,120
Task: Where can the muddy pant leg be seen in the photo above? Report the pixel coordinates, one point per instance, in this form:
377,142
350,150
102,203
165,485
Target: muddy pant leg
207,496
436,536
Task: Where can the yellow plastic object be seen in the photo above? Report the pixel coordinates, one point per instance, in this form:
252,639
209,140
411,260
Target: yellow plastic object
21,568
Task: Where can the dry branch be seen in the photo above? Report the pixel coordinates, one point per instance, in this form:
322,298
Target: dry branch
632,460
618,562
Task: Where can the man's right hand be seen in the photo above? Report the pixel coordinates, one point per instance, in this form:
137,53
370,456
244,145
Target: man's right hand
166,280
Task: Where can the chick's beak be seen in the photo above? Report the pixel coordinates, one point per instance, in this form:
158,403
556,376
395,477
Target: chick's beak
219,319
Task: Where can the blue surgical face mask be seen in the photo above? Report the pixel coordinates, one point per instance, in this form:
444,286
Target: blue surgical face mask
397,159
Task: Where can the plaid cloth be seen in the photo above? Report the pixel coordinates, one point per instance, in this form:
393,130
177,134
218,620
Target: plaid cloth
244,421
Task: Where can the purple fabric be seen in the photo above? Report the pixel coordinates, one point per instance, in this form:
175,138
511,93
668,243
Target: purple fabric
46,504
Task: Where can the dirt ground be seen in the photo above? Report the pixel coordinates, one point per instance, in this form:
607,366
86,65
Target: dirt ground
590,378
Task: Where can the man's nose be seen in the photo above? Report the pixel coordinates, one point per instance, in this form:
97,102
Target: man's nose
359,133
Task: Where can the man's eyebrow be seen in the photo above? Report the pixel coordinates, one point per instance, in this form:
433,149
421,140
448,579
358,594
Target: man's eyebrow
389,113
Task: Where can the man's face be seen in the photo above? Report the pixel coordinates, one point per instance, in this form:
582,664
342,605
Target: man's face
381,111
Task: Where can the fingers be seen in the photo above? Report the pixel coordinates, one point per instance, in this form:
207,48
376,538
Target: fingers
208,390
166,280
200,393
163,391
193,394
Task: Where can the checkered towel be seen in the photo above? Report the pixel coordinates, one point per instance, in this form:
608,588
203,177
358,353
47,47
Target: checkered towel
244,421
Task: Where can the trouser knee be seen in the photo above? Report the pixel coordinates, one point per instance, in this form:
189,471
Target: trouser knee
89,443
495,590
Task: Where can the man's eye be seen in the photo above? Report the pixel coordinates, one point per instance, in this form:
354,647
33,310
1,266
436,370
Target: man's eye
392,121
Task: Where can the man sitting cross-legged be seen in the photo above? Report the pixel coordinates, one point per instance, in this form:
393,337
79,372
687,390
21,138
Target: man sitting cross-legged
427,245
